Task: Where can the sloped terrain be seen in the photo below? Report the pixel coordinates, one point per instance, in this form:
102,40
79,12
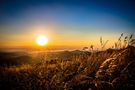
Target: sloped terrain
103,70
119,71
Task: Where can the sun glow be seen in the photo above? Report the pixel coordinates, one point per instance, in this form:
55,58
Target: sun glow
42,40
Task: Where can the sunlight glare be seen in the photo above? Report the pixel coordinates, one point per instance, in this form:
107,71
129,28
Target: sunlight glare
42,40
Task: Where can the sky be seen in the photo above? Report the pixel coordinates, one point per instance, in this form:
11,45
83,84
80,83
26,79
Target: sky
66,23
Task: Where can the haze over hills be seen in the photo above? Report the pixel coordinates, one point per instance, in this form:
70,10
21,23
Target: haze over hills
67,45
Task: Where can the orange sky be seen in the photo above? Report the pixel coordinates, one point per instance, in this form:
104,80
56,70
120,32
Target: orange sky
67,39
66,24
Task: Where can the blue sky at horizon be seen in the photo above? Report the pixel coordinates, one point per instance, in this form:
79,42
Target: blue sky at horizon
85,18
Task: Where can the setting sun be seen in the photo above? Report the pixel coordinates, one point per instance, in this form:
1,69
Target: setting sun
42,40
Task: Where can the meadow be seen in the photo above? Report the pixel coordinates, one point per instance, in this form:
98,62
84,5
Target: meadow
109,69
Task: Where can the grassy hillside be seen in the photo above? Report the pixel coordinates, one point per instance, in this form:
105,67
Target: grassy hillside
103,70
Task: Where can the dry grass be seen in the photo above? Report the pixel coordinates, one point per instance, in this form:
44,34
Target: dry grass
58,75
101,70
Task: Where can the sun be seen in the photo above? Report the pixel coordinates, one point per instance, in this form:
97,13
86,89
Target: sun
42,40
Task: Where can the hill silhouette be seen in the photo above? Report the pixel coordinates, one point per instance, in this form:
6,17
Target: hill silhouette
104,70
